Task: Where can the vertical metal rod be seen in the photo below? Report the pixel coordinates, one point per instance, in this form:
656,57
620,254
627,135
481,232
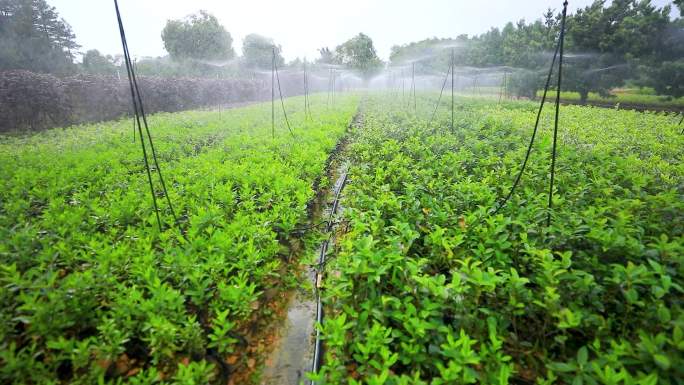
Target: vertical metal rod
306,117
219,100
129,70
329,86
273,94
555,124
452,88
403,86
506,85
413,84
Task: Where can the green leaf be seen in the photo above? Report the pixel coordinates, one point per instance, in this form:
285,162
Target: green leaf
582,355
662,361
562,367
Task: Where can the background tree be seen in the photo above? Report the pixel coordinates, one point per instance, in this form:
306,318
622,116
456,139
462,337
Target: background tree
198,36
326,56
34,37
96,63
606,44
257,52
663,69
680,5
613,41
359,54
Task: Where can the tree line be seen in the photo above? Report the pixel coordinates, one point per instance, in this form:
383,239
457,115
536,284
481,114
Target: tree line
608,45
33,37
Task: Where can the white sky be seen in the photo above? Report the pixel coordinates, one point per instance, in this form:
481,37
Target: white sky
300,26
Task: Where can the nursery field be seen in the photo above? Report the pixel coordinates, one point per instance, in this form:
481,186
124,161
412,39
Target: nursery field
428,286
92,292
425,283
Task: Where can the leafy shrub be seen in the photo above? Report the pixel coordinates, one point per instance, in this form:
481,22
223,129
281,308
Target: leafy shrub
90,290
31,101
431,288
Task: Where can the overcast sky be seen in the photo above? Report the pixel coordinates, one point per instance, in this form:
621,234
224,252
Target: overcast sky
300,26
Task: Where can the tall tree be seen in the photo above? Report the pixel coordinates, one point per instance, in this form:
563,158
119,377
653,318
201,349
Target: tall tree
359,54
198,36
257,52
34,37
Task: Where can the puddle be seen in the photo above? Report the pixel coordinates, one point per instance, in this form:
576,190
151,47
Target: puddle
293,356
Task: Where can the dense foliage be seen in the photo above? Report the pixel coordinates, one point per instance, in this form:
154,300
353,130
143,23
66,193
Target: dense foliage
429,287
91,291
32,101
34,37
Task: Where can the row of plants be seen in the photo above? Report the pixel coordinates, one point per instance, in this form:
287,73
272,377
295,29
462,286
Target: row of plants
32,101
92,292
626,97
429,286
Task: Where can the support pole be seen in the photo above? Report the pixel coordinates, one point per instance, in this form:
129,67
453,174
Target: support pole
273,94
413,84
555,124
452,88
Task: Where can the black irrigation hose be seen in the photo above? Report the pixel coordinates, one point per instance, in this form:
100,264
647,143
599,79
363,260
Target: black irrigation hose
555,124
137,101
440,97
282,103
534,133
318,346
310,226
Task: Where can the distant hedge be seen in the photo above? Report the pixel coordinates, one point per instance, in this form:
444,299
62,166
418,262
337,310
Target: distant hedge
32,101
